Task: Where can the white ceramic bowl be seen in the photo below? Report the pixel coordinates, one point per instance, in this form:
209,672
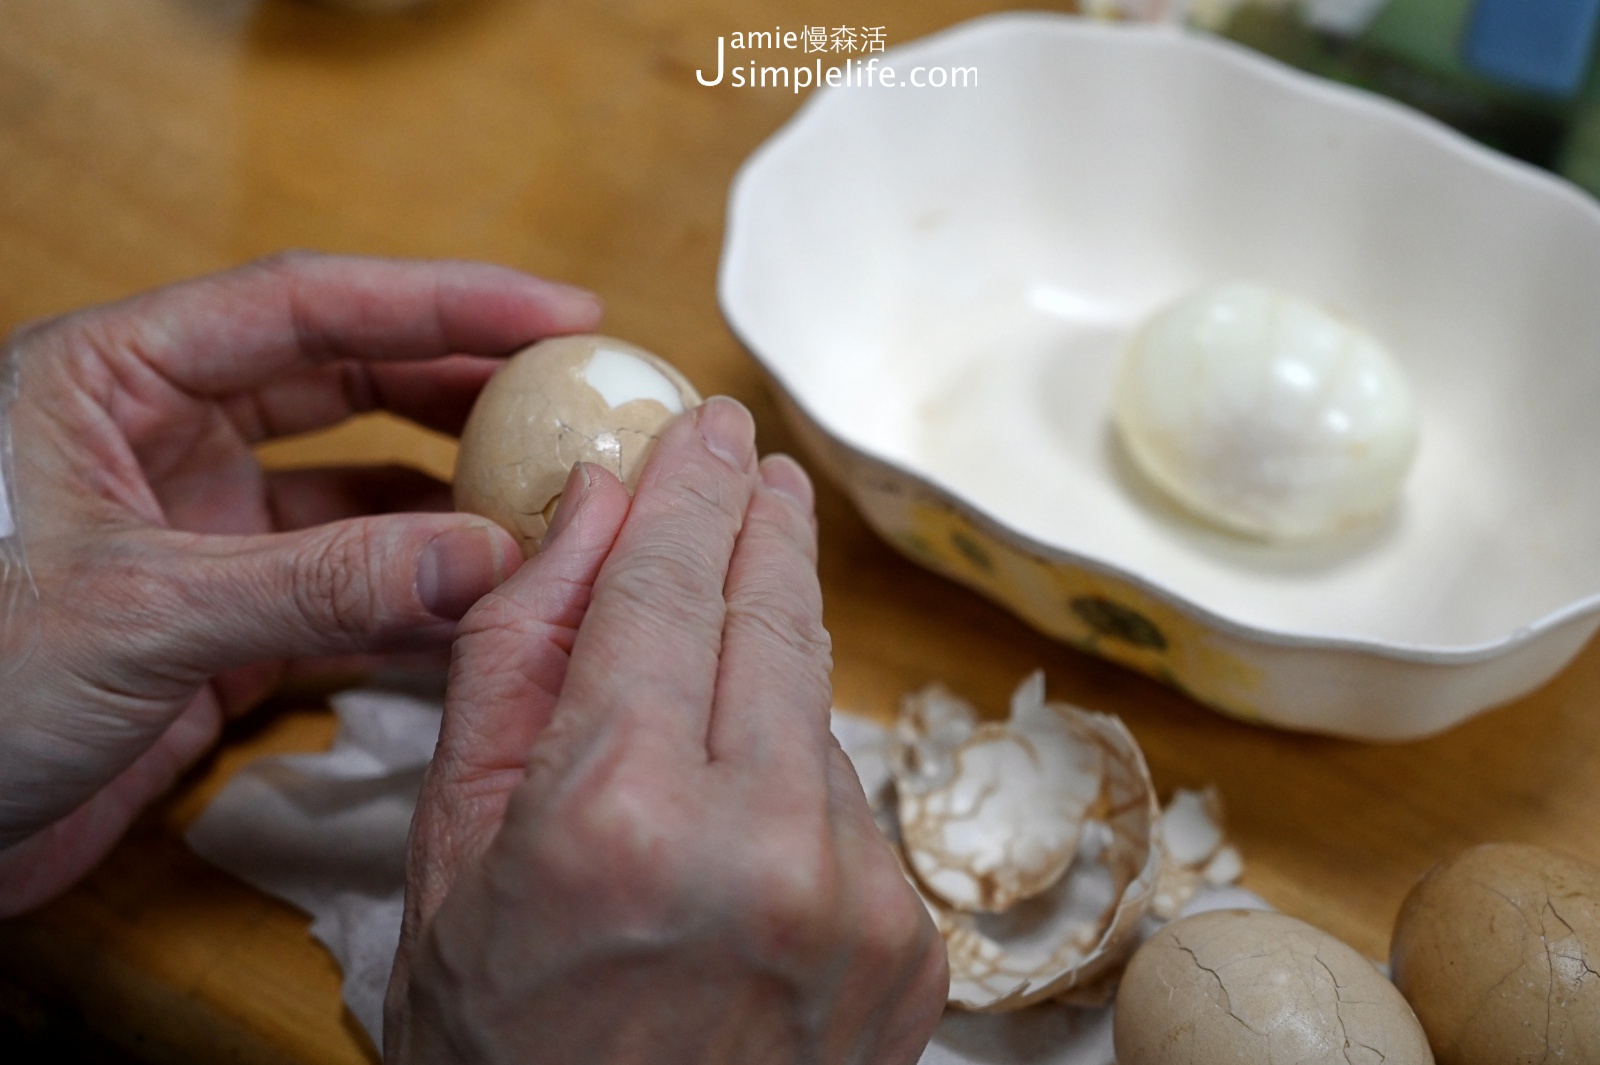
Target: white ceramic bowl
939,282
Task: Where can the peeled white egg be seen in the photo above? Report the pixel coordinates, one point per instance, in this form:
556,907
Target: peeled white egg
1266,413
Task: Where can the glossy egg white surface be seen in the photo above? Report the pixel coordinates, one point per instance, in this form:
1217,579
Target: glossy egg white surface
1266,413
941,282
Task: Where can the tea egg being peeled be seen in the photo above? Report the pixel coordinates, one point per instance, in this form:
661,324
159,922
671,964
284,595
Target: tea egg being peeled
559,402
1255,986
1266,413
1498,950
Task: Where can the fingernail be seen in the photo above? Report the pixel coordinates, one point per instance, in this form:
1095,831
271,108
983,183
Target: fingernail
572,496
457,569
784,475
577,295
572,290
728,430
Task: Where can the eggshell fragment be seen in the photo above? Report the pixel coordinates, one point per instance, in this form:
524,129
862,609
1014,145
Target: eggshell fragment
1498,950
995,818
1054,775
1225,867
1191,825
1257,986
933,723
1068,942
1193,853
559,402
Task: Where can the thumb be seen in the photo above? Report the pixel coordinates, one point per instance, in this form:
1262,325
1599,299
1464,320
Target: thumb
365,584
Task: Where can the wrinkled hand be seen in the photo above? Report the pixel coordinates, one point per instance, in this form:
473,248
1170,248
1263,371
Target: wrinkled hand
178,581
637,841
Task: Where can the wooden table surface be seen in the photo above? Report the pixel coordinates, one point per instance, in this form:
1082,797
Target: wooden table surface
143,141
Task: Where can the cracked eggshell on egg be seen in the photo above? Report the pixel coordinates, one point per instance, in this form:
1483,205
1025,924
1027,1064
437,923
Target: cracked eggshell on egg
1257,986
1498,951
559,402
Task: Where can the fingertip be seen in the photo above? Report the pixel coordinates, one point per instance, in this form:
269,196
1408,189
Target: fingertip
571,501
507,552
728,430
546,307
789,479
786,483
586,483
582,530
580,310
458,567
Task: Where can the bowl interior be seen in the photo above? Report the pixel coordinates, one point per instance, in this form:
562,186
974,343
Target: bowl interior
945,278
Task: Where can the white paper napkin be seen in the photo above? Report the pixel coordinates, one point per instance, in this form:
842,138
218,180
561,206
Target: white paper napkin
327,832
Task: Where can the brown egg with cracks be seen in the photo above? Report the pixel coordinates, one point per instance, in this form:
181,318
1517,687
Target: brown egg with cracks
1257,986
553,405
1498,950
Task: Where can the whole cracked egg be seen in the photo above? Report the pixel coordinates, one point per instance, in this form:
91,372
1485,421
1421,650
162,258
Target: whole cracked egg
1258,986
1498,950
562,401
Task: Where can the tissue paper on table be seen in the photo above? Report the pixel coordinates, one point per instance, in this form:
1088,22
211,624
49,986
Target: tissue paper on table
327,833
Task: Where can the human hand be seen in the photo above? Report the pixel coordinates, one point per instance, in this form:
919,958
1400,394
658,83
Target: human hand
178,582
638,841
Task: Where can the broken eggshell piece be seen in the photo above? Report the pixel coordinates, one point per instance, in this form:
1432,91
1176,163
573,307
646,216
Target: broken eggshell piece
559,402
1193,851
933,722
991,814
1053,816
